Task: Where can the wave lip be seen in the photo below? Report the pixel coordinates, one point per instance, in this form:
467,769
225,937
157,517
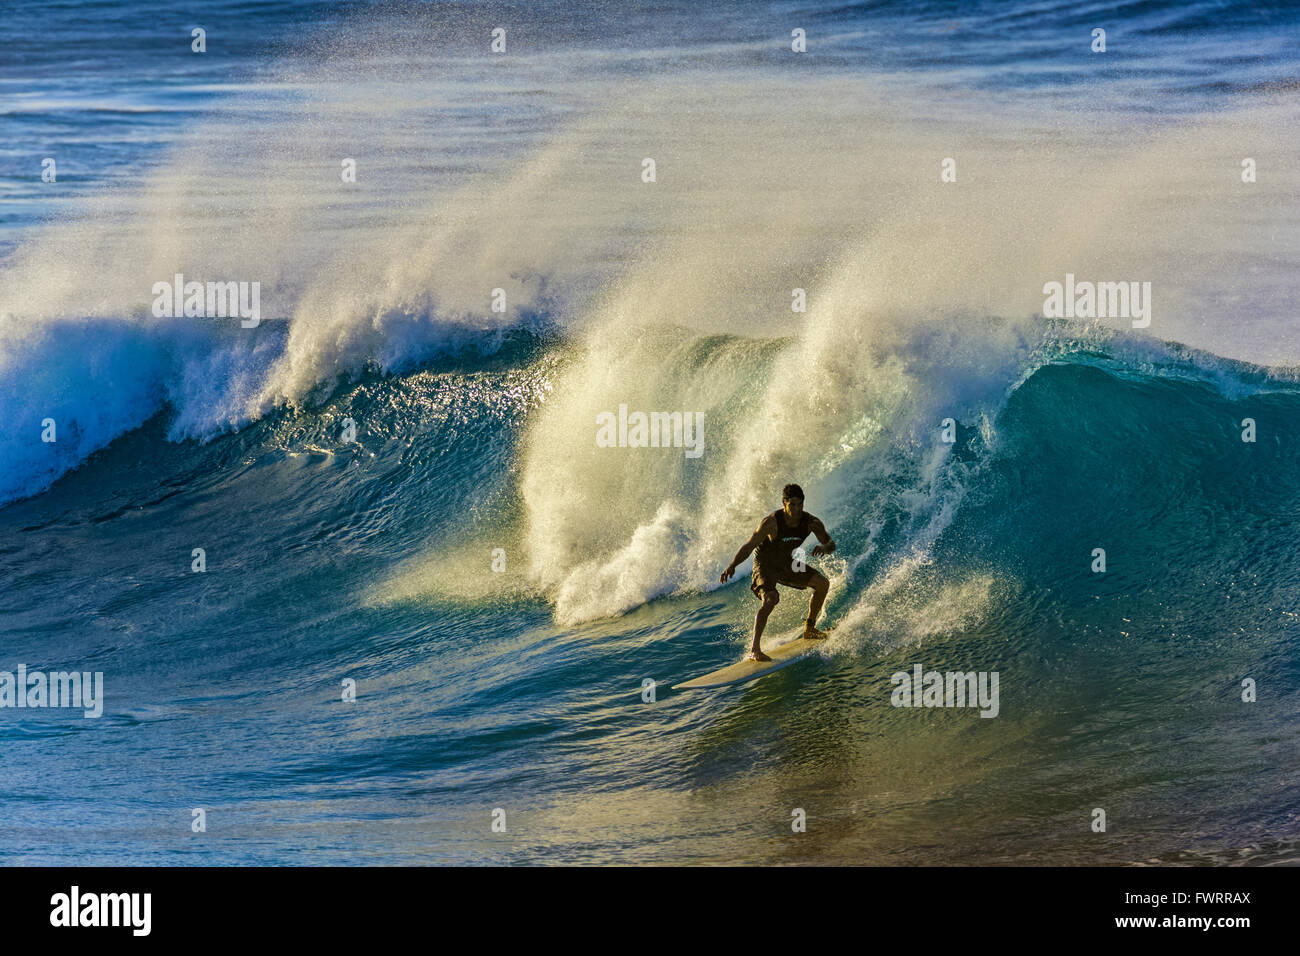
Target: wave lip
67,391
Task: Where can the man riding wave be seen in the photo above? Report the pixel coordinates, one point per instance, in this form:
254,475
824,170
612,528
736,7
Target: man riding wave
773,546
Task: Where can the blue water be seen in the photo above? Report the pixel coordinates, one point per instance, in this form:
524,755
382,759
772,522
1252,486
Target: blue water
358,466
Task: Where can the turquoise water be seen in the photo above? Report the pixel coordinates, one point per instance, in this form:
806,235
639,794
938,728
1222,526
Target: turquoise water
395,485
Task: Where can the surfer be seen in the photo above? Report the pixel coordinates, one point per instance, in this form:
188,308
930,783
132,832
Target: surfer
773,544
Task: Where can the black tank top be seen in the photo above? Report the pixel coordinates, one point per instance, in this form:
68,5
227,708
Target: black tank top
779,553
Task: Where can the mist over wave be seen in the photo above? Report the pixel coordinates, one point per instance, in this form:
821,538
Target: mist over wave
498,583
400,267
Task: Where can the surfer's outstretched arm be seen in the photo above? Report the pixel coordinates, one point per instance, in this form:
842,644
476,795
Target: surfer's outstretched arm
747,549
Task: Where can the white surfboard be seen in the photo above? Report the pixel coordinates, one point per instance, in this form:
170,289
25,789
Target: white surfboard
783,655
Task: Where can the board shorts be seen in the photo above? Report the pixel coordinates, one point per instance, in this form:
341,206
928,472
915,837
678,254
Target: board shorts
765,579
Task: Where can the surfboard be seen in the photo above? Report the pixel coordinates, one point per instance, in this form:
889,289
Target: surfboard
783,655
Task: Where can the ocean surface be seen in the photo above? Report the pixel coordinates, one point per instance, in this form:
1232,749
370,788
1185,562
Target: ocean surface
393,484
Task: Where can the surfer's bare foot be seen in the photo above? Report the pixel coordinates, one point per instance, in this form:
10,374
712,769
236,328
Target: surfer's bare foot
811,633
757,656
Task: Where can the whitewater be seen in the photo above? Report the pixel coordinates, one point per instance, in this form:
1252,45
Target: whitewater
393,483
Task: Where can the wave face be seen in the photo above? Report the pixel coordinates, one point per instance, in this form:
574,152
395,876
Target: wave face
392,481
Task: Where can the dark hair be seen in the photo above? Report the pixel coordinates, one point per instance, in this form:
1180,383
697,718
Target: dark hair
791,491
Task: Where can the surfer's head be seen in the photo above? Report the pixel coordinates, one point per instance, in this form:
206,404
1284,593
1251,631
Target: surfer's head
792,499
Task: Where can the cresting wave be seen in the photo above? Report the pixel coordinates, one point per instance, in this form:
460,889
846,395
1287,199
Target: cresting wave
1098,440
867,449
390,482
921,300
1083,438
561,223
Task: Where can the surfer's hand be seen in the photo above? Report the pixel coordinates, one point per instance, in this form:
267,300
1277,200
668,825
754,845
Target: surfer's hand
731,570
818,550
